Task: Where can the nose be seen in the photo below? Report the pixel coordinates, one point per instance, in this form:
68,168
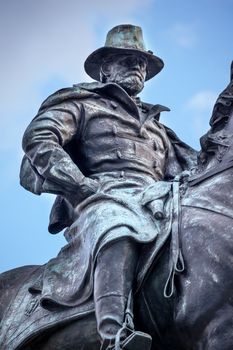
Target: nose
139,63
135,63
136,66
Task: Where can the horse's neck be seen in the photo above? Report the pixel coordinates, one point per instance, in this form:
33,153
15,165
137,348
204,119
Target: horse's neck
229,132
218,145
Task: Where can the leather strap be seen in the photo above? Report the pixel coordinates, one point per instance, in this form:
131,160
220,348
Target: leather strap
196,179
176,261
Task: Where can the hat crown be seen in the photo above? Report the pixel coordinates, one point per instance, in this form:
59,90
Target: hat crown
125,36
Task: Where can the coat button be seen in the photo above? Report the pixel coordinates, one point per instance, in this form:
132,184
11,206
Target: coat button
113,104
114,130
119,155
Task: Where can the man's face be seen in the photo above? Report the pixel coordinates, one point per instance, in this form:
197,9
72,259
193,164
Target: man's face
128,71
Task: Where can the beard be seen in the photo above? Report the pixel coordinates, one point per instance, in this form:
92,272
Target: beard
131,83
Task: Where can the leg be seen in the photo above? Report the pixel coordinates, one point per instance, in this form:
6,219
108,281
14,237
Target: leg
113,280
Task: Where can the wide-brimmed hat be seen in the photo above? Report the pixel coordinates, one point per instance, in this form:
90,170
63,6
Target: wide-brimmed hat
123,39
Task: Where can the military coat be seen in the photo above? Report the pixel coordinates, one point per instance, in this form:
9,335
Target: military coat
97,130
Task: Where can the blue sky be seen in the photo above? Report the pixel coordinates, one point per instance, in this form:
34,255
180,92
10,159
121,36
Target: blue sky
43,46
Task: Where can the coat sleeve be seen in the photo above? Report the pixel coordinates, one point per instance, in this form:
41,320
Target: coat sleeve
43,144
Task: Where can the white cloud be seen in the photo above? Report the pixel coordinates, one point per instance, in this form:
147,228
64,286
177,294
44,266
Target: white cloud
202,101
200,124
199,108
183,34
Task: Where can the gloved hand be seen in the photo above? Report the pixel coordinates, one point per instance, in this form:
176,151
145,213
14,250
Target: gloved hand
84,189
87,187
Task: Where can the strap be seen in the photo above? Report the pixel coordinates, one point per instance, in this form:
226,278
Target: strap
176,261
128,325
129,312
196,179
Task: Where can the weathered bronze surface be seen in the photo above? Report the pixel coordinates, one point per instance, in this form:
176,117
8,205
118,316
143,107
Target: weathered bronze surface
148,220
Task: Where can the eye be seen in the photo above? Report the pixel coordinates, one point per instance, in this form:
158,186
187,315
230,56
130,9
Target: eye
128,61
132,61
143,62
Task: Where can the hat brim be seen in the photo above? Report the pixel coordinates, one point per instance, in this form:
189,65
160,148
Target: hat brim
94,61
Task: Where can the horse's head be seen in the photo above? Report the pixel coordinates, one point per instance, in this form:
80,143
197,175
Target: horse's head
217,143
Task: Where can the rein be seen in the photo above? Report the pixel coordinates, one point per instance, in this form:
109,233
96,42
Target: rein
196,179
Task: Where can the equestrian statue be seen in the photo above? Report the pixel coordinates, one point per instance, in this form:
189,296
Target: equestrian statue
147,219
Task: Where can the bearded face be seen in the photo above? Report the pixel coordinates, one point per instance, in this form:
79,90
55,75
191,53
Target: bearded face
128,71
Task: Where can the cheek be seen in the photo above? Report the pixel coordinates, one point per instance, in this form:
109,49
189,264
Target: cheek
120,75
117,73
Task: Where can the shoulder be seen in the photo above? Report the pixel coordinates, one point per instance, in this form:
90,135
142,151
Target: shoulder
76,92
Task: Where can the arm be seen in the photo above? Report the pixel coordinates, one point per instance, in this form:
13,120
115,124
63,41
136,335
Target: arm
43,144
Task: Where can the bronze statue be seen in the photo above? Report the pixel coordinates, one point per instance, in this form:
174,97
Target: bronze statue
120,177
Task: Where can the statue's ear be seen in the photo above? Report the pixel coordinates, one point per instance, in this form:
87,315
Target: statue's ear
106,68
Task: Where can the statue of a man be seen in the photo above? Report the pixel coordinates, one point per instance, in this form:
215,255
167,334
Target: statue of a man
98,147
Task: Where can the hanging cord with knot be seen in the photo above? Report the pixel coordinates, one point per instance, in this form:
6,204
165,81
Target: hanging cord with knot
176,261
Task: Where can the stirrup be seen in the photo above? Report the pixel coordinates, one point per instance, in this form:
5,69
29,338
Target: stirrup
137,341
108,344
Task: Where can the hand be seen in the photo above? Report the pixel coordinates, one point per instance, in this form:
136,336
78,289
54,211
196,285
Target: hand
88,187
85,189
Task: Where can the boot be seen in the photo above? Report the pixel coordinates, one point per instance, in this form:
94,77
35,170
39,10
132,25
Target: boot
113,280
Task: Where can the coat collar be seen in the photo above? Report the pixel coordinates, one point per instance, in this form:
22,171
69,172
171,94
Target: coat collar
114,91
109,90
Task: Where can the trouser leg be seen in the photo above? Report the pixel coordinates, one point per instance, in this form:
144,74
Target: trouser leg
113,280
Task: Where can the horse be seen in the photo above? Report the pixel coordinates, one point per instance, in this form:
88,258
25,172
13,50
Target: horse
194,311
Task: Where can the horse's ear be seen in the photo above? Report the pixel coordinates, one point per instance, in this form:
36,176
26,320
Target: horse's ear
231,70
